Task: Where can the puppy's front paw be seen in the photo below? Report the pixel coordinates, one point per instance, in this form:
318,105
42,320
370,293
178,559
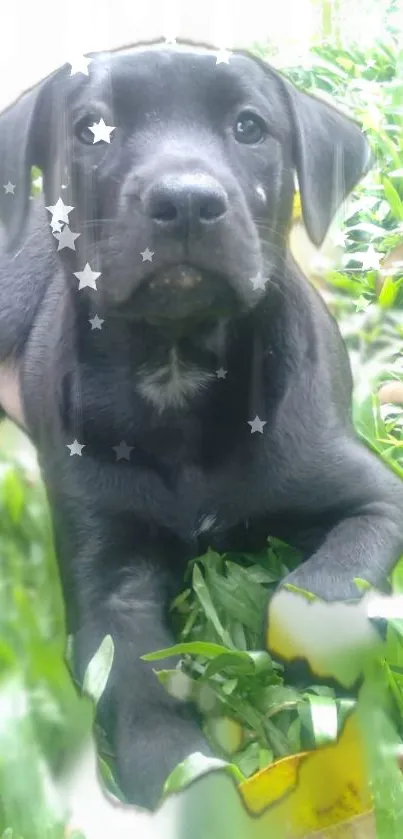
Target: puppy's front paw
146,759
335,639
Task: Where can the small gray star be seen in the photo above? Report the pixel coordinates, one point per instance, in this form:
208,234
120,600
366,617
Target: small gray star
147,255
221,373
257,425
223,56
96,322
79,65
259,282
60,211
123,450
9,188
75,448
87,277
66,238
101,131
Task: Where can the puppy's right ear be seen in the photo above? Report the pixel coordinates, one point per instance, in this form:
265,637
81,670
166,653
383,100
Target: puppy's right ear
24,142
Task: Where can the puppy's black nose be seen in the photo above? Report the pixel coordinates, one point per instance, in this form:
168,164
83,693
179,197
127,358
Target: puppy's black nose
183,201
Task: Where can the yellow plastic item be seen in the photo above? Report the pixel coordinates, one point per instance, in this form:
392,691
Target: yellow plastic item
314,791
297,209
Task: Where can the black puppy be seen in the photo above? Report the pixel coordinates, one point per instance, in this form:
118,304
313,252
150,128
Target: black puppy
184,384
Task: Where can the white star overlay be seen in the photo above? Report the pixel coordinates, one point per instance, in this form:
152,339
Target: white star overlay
257,425
362,304
170,40
221,373
9,188
75,448
101,131
87,277
96,322
371,260
66,238
60,211
259,282
147,255
223,56
79,64
123,451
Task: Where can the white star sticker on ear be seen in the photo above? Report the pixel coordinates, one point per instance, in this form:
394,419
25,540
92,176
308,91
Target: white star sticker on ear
123,451
147,255
60,211
257,425
66,238
79,64
87,277
259,282
223,56
75,448
96,322
9,188
221,373
101,131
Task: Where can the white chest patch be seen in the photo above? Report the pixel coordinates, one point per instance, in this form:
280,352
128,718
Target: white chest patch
173,384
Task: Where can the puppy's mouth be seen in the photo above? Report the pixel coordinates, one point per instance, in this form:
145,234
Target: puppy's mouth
182,291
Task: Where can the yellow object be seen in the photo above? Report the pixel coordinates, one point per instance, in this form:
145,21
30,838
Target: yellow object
312,791
297,209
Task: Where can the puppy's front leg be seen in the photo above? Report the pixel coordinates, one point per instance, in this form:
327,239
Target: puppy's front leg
362,503
149,730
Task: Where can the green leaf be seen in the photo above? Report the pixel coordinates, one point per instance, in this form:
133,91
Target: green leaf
203,648
29,802
204,597
393,199
397,577
388,293
98,670
324,718
195,766
306,594
109,781
13,493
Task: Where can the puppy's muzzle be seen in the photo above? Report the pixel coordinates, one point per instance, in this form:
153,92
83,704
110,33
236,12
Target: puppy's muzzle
184,208
182,291
184,204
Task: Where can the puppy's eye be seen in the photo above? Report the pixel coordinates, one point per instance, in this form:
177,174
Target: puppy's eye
249,128
82,129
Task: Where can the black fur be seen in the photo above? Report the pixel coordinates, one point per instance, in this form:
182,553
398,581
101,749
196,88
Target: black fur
176,180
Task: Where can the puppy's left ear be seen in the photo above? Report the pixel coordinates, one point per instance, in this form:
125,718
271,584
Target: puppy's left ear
331,155
25,140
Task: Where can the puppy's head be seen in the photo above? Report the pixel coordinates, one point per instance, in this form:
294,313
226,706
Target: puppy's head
180,172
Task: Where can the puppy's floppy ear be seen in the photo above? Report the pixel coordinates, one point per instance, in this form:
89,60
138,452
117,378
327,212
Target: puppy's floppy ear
24,142
331,155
